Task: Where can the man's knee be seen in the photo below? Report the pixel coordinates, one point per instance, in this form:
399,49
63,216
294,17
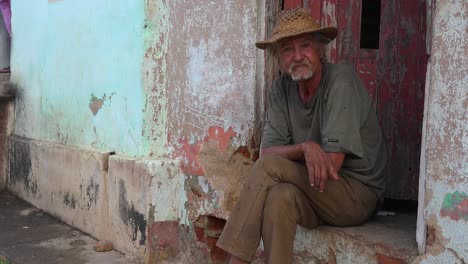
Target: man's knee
282,197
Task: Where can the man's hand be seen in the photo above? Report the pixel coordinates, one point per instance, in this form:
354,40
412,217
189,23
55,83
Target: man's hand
319,165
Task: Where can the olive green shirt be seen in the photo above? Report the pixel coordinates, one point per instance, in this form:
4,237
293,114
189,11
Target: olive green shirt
340,117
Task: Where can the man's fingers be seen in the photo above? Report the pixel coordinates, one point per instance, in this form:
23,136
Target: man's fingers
311,171
317,176
323,179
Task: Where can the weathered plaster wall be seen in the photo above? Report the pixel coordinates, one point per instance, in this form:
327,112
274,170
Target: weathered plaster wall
203,73
174,87
201,108
78,66
212,71
213,92
446,125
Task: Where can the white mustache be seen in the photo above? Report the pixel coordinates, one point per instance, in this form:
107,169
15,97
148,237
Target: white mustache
303,62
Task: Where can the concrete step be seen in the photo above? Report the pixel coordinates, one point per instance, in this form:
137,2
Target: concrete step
30,236
384,239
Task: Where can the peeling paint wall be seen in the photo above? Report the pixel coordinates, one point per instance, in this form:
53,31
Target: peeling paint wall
212,102
201,71
140,77
78,66
212,71
174,87
446,148
202,91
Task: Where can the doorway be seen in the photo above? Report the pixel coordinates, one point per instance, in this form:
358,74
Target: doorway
385,40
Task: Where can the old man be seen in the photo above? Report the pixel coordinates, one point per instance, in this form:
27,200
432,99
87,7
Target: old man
322,151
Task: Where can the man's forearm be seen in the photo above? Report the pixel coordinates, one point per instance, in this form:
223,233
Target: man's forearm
291,152
296,152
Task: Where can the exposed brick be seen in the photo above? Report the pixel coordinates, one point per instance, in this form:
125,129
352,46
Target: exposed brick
211,242
214,226
200,233
384,259
164,239
219,256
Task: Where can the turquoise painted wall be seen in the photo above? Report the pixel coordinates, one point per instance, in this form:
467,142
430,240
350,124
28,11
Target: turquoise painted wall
78,69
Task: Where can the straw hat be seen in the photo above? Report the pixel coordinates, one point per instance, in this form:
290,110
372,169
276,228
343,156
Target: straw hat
294,22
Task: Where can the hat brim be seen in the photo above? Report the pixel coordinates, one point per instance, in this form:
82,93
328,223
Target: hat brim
328,32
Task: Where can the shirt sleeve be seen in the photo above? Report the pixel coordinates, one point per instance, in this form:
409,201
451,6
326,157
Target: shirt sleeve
276,130
344,114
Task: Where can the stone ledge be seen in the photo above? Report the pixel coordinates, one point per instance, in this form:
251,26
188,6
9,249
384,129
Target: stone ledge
385,239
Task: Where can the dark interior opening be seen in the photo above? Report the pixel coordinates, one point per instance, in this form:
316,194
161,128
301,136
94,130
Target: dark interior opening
370,24
400,206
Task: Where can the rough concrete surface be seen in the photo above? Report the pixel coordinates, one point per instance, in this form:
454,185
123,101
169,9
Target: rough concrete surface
384,237
30,236
67,182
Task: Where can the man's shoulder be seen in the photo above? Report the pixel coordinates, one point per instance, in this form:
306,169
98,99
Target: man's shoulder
281,84
334,71
284,80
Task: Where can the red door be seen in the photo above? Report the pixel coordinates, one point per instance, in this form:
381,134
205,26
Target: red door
385,41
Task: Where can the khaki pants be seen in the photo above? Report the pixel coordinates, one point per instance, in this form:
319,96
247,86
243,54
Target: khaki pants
277,197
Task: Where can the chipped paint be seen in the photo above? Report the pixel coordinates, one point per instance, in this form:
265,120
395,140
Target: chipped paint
446,141
80,50
455,206
216,68
328,19
190,152
155,80
95,104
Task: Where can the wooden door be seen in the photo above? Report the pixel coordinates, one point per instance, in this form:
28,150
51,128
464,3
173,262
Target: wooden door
391,59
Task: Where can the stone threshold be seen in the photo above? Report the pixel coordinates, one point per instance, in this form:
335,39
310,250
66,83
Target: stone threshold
384,239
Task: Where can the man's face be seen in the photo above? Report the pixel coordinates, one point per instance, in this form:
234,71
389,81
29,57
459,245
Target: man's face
299,56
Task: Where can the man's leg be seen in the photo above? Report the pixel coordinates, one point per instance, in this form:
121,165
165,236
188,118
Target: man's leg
344,202
242,233
285,207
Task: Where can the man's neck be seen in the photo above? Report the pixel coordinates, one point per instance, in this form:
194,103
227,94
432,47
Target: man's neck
307,88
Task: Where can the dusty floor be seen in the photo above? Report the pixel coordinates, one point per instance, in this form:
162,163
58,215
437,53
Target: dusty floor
30,236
